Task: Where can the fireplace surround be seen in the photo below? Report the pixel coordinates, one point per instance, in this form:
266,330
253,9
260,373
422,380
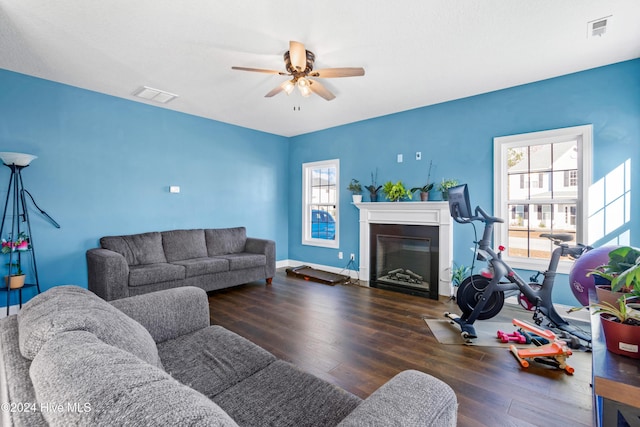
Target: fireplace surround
432,214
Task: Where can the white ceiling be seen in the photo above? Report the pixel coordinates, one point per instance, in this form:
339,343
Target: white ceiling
415,52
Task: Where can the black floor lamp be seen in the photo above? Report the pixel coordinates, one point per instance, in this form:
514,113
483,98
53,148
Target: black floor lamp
19,244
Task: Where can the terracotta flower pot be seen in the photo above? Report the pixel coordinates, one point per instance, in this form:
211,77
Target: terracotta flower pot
621,338
424,196
605,294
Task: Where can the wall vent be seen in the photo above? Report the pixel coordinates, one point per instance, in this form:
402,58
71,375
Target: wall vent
155,95
598,27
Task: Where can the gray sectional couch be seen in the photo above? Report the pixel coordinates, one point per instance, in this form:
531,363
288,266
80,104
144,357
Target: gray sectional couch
210,259
71,358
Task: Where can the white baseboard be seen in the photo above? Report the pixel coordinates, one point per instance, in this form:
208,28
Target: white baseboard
13,309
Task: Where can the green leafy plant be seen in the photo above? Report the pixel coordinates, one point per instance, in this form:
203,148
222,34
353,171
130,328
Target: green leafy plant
395,192
446,184
459,273
623,269
355,187
623,312
15,269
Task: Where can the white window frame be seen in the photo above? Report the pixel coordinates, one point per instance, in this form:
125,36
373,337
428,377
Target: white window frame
306,201
584,137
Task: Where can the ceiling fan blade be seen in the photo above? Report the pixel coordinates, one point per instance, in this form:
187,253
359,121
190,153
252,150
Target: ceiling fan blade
318,89
297,55
260,70
328,73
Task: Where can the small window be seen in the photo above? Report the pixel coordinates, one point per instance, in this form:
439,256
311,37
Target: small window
320,203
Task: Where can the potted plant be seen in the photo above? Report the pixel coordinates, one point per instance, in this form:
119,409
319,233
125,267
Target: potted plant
458,274
373,188
622,274
16,276
445,185
395,192
424,190
620,326
356,190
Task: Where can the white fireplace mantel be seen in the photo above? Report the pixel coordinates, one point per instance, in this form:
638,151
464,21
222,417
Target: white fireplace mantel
409,213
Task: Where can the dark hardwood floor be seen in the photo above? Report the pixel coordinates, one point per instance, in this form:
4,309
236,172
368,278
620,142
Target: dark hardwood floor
359,337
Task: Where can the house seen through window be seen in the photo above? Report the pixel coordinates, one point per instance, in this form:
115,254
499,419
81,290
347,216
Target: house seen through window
540,185
320,199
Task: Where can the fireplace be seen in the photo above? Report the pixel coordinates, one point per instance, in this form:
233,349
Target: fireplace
433,240
404,258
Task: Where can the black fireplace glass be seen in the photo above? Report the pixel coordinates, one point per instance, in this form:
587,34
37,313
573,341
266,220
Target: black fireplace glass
404,258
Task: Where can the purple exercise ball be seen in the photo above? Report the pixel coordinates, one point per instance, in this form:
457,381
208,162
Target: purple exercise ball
580,283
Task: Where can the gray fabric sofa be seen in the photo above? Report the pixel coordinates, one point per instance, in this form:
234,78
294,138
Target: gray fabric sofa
71,358
210,259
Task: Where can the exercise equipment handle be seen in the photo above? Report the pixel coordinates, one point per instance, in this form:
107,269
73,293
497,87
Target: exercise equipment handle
488,218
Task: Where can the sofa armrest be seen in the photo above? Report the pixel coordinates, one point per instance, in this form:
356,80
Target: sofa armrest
170,313
108,273
411,398
266,247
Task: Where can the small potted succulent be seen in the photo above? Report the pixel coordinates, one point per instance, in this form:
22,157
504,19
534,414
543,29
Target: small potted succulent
445,185
395,192
373,188
16,276
356,190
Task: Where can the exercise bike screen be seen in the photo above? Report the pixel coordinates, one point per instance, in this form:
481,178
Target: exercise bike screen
459,203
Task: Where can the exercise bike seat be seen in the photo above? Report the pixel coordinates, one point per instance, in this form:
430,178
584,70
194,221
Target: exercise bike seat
558,237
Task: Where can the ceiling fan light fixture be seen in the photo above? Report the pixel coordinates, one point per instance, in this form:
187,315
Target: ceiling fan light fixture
288,86
303,87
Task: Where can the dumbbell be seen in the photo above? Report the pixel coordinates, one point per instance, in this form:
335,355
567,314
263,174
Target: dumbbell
515,337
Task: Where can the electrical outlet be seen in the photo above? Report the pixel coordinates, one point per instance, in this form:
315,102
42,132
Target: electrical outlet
339,255
352,257
418,155
399,158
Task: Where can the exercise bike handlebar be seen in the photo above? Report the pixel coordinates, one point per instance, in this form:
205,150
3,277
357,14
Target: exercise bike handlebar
486,217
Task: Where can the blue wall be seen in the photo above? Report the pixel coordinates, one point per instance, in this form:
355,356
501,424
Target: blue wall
458,137
105,164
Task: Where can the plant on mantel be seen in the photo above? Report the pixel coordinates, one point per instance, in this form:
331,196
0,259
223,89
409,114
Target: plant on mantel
424,190
395,192
374,188
445,185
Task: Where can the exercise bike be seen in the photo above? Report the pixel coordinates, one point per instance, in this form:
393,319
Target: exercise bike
481,296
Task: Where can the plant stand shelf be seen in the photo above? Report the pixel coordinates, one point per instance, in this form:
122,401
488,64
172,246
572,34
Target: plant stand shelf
616,382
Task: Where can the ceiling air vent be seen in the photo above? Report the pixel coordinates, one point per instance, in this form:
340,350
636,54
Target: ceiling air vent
598,27
155,95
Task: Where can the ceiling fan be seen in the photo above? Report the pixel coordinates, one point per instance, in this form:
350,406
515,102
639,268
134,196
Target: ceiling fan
299,64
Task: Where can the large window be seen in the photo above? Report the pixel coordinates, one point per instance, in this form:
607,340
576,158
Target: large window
541,182
320,203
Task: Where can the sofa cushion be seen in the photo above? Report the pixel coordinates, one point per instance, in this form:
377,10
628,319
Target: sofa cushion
145,248
71,308
111,387
212,359
201,266
245,260
140,275
222,241
184,244
283,395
